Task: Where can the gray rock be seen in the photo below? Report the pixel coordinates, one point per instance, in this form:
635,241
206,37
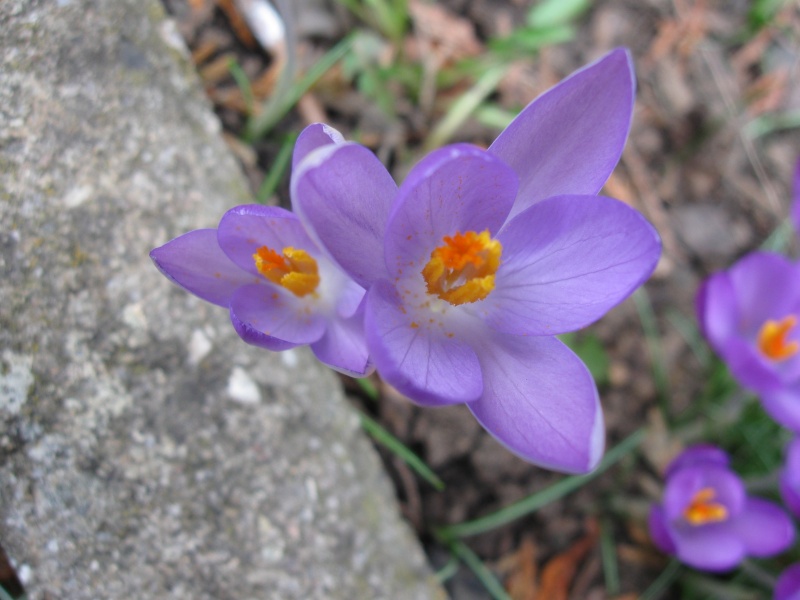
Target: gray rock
145,452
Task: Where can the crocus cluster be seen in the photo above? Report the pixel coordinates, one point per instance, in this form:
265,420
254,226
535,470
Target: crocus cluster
708,521
749,314
454,284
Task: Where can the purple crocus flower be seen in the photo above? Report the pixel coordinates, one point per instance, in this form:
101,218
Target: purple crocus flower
788,584
281,291
749,314
708,521
790,478
481,257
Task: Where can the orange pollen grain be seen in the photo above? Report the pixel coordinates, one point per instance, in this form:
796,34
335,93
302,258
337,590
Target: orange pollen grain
703,510
462,269
293,269
772,339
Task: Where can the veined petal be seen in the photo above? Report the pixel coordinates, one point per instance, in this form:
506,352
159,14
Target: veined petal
196,263
714,547
421,362
566,261
458,188
344,346
764,527
540,401
569,139
343,194
244,229
312,137
273,319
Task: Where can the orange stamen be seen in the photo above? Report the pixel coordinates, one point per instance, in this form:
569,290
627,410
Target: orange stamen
703,510
462,269
294,270
772,339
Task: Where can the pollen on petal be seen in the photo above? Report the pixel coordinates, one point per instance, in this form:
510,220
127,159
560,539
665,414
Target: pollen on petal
772,339
462,269
293,269
702,510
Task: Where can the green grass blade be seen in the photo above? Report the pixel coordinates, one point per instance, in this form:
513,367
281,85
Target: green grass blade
276,109
648,318
242,81
475,564
662,582
608,555
397,447
366,385
536,501
462,108
276,173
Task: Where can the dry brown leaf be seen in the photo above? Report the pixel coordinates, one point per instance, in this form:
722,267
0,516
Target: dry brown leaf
558,573
521,570
451,37
238,23
766,94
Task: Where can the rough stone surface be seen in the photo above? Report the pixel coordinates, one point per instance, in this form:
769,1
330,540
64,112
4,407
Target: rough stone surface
144,451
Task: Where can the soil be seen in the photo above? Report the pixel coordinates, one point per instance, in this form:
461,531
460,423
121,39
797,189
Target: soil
712,190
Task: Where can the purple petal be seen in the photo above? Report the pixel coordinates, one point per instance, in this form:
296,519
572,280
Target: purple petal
196,263
244,229
714,548
420,361
698,455
343,195
767,286
659,530
312,137
790,478
783,405
717,309
454,189
540,401
569,139
796,199
566,261
268,317
788,585
684,484
344,346
734,305
764,528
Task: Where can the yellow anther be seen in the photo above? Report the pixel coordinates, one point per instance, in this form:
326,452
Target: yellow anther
772,339
294,269
462,269
703,510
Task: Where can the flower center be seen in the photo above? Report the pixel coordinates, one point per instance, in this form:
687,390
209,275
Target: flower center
462,269
772,339
703,510
294,270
